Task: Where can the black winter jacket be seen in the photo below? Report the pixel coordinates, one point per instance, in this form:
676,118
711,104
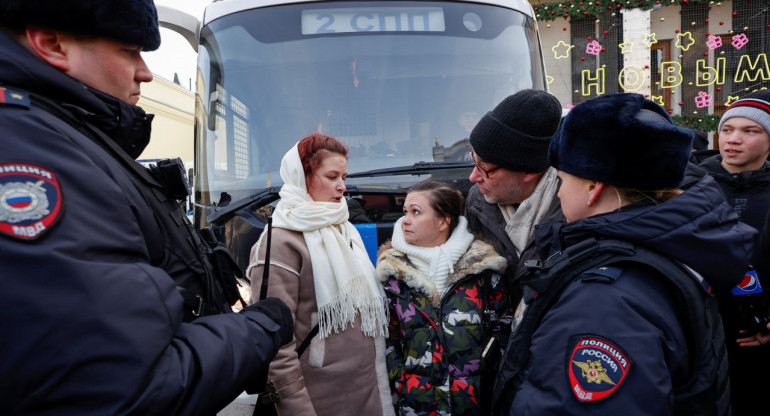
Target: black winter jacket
749,194
486,221
90,324
614,341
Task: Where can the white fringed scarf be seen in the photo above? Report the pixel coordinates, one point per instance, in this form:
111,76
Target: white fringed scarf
521,221
344,277
435,263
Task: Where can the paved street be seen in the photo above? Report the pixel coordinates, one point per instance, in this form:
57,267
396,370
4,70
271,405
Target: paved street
241,406
237,409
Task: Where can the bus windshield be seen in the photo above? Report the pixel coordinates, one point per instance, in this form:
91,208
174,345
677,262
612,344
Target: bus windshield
398,82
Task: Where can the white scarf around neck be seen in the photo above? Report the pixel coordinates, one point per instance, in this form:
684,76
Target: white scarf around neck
344,277
521,221
435,263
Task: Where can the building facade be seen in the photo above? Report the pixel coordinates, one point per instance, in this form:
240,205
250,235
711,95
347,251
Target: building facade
173,125
692,57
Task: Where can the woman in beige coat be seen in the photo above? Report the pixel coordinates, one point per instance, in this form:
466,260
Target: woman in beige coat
319,267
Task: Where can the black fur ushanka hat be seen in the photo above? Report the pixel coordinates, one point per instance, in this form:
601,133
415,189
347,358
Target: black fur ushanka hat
623,140
134,22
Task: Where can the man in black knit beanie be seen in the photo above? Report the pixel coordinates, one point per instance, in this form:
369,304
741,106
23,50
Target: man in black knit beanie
515,189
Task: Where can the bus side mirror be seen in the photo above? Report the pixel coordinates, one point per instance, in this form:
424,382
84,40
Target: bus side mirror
180,22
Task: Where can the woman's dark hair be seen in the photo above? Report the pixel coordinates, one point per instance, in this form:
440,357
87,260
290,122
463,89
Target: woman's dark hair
444,199
315,148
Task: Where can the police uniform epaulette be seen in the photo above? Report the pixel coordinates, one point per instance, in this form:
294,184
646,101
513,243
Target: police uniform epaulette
14,97
607,274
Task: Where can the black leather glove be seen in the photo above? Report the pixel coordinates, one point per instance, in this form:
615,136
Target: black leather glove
278,312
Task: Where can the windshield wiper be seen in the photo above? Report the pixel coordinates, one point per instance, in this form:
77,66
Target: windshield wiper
419,168
219,214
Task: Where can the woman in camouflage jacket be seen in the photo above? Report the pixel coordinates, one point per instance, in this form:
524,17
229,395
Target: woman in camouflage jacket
446,300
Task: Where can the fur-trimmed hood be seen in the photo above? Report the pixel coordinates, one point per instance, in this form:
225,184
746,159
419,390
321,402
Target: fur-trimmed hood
479,258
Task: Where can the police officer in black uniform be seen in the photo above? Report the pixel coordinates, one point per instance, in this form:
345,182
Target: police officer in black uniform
105,285
619,319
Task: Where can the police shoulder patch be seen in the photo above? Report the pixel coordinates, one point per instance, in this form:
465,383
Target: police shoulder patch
12,97
603,274
30,200
597,367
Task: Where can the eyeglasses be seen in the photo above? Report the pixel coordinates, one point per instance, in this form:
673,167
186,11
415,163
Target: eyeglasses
484,172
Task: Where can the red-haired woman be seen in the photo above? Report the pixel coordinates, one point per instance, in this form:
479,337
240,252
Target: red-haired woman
319,267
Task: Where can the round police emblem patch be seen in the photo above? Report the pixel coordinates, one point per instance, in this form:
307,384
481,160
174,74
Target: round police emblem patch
30,200
597,368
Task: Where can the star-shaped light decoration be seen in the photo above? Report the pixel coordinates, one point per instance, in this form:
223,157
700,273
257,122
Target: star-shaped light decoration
684,41
658,99
649,39
731,99
564,47
626,46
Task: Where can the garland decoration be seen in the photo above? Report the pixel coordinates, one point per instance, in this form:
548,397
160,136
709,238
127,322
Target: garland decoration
578,9
705,122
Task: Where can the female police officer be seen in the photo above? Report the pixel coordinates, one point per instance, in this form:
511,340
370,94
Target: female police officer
623,321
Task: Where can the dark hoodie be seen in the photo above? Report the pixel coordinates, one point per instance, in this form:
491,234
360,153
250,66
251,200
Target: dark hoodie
628,307
748,193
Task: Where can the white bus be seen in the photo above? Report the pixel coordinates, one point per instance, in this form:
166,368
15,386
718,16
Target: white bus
402,83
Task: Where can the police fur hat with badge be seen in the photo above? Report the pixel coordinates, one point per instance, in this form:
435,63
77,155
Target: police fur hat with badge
134,22
623,140
515,135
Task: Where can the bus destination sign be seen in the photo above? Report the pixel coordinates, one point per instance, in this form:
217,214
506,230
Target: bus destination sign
373,19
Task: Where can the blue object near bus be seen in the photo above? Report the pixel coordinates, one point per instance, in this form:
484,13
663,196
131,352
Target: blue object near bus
369,235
